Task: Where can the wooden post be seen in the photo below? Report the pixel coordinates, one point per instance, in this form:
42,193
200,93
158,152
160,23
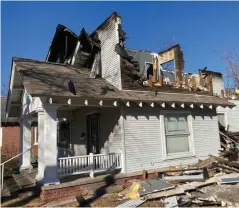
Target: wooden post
145,175
150,81
91,165
194,83
210,87
177,68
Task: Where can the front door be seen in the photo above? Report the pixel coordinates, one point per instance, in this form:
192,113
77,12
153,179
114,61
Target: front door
93,133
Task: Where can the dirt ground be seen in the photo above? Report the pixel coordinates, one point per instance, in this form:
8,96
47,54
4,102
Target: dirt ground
110,200
113,201
28,201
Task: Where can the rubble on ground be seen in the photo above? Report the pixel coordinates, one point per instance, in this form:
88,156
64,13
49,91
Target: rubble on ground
213,181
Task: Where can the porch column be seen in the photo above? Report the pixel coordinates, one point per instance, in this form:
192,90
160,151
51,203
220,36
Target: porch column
41,120
50,147
20,145
25,138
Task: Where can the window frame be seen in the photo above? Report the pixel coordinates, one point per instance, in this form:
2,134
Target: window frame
191,152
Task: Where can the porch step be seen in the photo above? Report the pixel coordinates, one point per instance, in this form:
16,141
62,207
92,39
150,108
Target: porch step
22,181
9,186
17,185
30,175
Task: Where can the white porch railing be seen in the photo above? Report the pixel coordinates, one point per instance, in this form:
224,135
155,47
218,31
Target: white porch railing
89,164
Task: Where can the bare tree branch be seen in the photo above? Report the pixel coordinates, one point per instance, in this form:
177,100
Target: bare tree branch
232,73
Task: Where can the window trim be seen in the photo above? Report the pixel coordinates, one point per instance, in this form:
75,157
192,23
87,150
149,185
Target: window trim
191,152
35,134
69,146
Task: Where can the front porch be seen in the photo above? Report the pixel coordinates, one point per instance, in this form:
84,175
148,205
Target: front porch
72,140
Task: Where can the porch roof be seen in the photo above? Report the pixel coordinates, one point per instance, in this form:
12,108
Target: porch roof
50,79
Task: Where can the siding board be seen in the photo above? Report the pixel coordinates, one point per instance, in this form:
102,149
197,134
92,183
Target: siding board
110,60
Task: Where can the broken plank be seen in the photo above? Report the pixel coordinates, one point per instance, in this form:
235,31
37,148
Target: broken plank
171,192
132,203
226,167
229,180
224,161
185,178
171,202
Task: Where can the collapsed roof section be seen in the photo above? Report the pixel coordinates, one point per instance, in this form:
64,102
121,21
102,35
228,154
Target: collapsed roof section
140,69
69,48
62,46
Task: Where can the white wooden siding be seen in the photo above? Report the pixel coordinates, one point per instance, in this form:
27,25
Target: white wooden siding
110,130
110,60
143,142
231,116
206,133
218,85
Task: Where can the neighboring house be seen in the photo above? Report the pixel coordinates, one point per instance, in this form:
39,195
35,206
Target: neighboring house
10,133
229,118
95,112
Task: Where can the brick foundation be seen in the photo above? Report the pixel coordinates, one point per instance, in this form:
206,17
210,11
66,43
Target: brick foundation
83,189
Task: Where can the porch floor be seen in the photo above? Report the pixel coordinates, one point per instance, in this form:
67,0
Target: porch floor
83,179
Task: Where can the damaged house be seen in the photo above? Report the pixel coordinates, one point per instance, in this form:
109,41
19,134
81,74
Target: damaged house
100,106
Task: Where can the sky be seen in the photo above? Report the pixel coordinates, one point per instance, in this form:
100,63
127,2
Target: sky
205,30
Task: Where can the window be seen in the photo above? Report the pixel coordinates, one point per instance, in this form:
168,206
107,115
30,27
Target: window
63,133
176,133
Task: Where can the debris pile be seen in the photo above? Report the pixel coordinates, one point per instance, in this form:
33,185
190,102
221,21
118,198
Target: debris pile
229,145
211,182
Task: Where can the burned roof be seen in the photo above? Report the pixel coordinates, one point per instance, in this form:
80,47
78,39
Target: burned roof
113,15
48,79
57,50
210,72
168,48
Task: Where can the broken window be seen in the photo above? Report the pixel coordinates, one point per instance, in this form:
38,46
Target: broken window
63,133
149,69
168,66
176,133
